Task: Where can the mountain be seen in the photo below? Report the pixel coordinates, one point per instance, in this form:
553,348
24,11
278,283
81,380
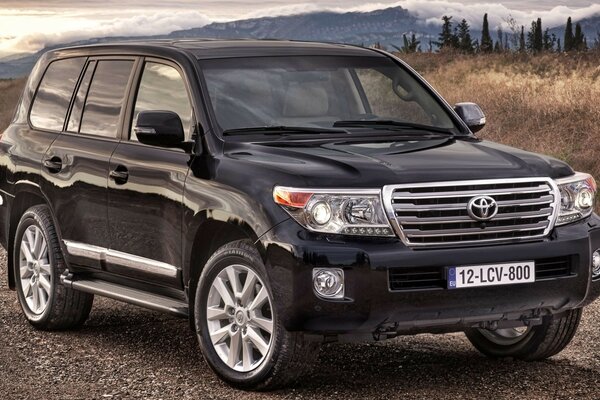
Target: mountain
385,26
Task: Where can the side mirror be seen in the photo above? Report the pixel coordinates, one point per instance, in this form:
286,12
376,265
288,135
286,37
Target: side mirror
159,128
472,114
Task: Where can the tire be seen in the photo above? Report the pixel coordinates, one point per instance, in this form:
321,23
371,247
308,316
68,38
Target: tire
288,355
38,265
536,343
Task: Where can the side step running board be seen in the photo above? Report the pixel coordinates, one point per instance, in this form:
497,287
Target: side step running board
128,295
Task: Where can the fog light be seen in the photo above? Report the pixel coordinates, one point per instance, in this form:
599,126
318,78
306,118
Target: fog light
328,283
596,264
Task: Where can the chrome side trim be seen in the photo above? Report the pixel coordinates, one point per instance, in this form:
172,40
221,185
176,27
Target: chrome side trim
77,249
126,260
388,196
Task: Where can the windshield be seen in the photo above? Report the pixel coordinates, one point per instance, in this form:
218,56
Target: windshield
320,92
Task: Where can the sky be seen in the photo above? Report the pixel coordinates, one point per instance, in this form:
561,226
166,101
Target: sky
28,25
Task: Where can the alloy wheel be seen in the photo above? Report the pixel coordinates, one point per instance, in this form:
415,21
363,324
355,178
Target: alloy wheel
240,318
506,336
34,270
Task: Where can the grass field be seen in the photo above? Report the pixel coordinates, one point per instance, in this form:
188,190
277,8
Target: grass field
10,91
548,104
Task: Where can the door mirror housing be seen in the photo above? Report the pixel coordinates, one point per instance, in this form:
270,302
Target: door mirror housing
472,115
159,128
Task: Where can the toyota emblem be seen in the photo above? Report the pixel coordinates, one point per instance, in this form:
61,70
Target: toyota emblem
482,208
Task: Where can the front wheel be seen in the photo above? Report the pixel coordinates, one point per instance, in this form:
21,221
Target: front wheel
528,343
238,327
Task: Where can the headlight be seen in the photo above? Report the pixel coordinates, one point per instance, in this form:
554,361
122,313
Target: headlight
357,212
577,194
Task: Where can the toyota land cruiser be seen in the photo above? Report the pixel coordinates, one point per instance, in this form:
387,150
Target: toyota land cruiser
281,194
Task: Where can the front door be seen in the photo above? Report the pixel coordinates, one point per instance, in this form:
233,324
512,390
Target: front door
145,196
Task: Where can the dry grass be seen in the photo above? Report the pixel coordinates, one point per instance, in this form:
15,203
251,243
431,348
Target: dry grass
548,104
10,92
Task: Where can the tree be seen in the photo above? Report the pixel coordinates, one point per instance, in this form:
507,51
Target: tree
487,44
522,45
379,46
515,32
568,43
463,35
535,37
411,45
539,36
549,40
579,40
501,45
447,39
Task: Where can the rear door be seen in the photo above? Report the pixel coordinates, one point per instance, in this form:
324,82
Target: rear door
76,165
145,200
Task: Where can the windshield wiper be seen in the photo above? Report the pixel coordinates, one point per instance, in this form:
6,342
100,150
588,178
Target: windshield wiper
281,129
391,125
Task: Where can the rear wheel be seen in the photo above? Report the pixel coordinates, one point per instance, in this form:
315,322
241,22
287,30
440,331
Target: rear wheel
239,330
38,265
528,343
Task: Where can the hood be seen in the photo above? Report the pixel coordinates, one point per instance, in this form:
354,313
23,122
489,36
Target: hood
377,162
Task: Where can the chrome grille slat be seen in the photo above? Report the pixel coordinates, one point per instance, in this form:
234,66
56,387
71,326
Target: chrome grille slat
546,212
461,206
475,231
436,213
471,193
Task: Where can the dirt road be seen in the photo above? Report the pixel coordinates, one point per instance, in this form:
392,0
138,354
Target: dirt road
127,352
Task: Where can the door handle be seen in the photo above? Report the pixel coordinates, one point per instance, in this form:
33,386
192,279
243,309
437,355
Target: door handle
53,164
119,175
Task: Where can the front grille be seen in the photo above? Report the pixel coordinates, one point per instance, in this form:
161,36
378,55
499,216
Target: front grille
437,213
552,268
426,278
416,278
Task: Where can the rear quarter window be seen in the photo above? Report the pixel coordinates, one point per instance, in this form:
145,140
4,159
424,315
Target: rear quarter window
54,94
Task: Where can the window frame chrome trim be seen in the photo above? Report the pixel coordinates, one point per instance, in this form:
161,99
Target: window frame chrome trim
388,191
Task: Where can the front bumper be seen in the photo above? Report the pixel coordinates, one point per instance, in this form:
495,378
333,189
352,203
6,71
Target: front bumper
370,307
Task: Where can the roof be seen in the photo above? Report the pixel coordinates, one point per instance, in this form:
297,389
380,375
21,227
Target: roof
231,48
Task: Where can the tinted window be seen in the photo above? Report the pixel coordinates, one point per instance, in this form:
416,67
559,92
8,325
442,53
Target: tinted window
105,98
319,92
163,89
54,94
77,108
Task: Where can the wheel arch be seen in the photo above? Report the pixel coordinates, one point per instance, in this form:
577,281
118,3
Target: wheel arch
209,231
27,195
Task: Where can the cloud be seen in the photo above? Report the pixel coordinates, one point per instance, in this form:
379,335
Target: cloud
28,29
433,10
64,28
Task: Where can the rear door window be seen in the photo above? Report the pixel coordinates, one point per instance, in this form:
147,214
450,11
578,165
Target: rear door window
105,98
52,99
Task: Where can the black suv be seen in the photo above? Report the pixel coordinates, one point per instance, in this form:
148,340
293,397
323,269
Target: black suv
281,194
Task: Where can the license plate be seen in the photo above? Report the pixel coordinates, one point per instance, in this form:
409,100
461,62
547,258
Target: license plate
491,274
